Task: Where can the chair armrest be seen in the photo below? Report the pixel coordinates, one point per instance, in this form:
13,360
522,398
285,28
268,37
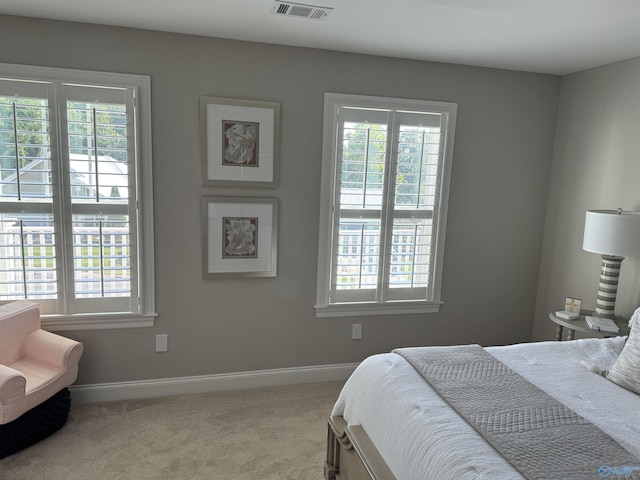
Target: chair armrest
52,349
13,400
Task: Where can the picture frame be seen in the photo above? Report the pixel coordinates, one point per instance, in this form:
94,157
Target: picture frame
240,142
572,305
239,237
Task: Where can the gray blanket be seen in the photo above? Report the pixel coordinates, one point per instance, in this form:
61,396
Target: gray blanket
537,434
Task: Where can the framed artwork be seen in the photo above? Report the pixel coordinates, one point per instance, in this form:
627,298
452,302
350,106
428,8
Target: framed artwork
240,142
572,305
240,237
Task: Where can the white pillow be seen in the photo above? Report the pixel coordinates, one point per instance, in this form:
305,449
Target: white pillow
626,370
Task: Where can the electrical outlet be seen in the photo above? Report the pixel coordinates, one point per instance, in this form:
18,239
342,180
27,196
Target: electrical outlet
162,343
356,331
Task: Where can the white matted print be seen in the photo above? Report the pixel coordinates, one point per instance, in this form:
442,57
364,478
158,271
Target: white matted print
572,305
239,237
240,142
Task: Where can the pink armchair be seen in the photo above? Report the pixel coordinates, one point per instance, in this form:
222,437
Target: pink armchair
36,367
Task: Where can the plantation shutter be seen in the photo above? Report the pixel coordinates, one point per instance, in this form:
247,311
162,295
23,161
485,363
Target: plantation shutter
388,169
67,191
417,165
28,266
362,158
99,153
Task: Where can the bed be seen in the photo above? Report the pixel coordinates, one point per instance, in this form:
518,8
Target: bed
390,423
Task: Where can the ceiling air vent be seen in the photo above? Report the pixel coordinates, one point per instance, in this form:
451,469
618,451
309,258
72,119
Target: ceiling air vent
301,10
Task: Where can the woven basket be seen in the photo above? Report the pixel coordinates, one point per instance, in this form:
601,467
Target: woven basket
35,424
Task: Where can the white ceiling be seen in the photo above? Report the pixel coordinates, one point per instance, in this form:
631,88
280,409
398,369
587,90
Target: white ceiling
547,36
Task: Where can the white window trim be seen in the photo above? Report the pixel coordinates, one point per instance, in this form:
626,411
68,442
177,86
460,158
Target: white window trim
332,103
142,85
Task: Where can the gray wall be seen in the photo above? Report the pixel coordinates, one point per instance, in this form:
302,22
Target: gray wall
501,169
596,165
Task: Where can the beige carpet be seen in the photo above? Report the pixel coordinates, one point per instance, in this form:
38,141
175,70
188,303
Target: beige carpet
262,434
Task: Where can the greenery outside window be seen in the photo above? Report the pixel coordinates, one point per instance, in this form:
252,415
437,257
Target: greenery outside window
385,183
76,225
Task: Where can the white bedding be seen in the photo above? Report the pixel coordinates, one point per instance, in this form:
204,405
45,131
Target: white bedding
421,437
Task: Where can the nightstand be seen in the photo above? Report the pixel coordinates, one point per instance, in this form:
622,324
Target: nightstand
580,325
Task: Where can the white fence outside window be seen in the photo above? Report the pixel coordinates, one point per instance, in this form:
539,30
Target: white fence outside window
28,268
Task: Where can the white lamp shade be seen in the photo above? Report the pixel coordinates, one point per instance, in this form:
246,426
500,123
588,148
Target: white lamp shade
612,232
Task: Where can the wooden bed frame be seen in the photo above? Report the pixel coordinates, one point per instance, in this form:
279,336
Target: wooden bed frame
351,455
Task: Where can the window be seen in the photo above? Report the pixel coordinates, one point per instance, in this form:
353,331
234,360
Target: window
76,226
385,181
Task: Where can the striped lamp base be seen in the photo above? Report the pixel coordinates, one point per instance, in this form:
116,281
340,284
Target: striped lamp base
608,286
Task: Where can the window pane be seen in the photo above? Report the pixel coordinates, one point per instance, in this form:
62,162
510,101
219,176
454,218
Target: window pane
417,171
98,152
358,254
25,150
27,257
410,253
101,256
386,170
363,165
71,215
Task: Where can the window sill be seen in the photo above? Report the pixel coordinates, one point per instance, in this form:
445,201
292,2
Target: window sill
368,309
58,323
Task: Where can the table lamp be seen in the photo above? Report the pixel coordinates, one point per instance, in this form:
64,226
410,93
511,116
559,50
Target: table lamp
614,234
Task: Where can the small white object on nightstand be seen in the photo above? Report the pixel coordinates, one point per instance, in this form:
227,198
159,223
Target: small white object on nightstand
567,315
602,324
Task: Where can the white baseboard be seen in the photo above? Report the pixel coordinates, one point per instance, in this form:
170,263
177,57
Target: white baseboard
162,387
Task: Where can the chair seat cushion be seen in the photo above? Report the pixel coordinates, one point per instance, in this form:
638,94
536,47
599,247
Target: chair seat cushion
38,375
43,381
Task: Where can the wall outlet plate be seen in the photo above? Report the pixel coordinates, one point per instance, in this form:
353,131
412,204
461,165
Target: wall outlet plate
356,331
162,342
